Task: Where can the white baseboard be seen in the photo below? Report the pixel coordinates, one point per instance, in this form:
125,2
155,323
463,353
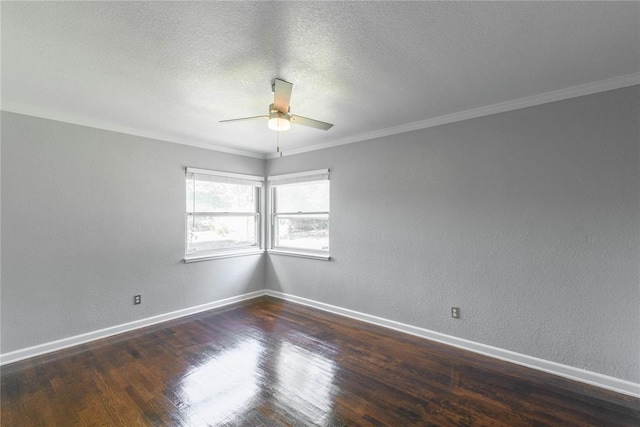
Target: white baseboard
566,371
576,374
49,347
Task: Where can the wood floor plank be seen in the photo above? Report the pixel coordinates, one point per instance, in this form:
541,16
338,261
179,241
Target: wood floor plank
267,362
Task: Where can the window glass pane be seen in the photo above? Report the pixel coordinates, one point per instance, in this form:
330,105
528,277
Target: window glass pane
206,233
303,232
303,197
219,197
190,189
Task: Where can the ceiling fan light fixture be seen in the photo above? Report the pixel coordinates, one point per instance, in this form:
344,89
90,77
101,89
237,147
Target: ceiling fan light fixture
279,121
279,124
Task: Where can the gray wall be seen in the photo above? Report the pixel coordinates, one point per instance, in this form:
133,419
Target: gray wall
90,218
528,220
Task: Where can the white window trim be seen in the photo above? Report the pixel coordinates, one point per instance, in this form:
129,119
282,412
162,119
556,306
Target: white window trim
256,181
292,178
259,180
222,254
324,256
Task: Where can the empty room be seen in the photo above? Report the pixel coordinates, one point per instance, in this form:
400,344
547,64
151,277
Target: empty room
320,213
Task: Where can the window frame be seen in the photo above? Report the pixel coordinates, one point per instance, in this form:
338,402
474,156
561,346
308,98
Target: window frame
257,182
295,178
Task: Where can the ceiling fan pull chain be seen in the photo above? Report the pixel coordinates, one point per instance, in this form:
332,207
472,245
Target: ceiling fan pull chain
278,144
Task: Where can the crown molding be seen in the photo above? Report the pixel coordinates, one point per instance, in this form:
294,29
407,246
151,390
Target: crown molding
80,120
501,107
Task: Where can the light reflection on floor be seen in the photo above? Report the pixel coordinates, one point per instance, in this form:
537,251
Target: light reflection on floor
225,384
305,383
227,387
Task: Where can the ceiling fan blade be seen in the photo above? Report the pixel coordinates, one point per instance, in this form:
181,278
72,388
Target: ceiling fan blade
245,118
299,120
282,95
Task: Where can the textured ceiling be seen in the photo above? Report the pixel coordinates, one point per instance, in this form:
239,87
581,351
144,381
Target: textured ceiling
172,70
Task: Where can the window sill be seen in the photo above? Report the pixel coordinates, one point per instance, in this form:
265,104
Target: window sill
301,254
229,254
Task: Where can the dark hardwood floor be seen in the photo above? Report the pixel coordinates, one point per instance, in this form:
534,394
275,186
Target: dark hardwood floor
268,362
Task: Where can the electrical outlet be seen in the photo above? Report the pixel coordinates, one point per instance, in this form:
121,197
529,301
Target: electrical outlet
137,299
455,312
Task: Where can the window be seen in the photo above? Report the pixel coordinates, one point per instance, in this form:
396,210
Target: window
222,215
300,214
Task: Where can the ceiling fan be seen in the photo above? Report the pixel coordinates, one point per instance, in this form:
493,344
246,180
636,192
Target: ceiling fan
280,117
